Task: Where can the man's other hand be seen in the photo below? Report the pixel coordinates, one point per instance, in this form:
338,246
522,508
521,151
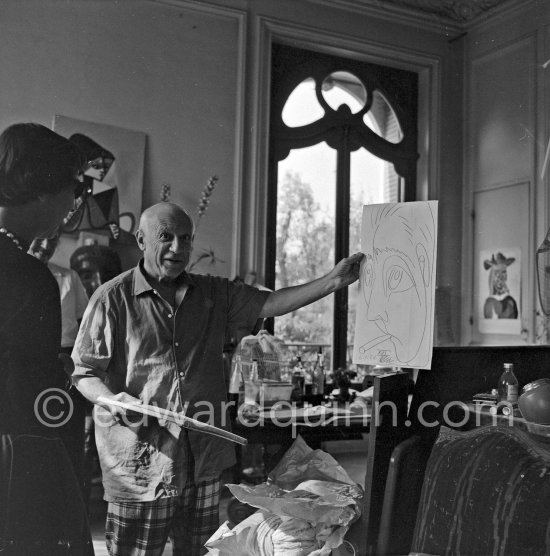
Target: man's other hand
67,363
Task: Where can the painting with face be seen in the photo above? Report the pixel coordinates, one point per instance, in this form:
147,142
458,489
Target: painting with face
395,311
115,158
500,287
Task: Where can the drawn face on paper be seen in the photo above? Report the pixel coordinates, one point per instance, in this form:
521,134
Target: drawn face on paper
395,277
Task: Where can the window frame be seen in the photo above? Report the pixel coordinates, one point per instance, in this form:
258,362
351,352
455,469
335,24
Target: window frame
282,139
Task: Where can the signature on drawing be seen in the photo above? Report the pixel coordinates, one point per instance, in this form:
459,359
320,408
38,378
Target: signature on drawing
385,356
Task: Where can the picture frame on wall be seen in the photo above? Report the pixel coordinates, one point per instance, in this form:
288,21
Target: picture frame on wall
114,176
499,306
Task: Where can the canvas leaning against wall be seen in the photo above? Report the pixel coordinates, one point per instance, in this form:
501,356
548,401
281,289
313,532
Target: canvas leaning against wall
115,175
395,307
499,308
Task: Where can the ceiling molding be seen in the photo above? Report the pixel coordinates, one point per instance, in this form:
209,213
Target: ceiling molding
435,14
459,11
389,11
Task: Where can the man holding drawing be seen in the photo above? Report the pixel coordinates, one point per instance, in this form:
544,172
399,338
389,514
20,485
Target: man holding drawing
154,335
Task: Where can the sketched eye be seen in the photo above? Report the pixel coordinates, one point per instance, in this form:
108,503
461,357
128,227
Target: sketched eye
369,275
398,279
164,236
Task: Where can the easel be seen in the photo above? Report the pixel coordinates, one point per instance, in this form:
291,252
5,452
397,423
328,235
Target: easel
388,428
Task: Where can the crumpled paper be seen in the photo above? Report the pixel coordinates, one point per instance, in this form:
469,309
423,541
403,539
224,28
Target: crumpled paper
308,503
263,534
313,501
301,463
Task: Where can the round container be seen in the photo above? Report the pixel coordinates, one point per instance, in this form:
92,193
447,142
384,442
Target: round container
534,402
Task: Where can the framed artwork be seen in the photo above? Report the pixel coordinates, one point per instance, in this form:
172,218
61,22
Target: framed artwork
499,305
113,180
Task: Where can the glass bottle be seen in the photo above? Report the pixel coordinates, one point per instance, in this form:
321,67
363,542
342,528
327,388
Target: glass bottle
254,371
318,386
508,385
299,379
236,385
252,385
308,374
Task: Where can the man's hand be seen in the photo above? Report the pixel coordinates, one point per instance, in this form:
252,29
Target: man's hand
346,271
121,415
93,388
289,299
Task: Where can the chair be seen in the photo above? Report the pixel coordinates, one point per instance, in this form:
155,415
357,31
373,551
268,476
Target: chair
403,487
387,430
457,373
402,493
486,491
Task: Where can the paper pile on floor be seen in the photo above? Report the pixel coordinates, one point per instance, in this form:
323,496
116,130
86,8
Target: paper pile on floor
305,508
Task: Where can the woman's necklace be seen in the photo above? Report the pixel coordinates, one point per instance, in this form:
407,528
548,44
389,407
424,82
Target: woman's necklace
11,235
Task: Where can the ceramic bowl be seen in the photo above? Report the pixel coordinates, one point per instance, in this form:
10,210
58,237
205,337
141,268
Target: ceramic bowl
534,402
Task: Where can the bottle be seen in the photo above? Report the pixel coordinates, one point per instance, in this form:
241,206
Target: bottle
236,385
508,385
252,385
318,386
298,379
254,371
303,373
308,372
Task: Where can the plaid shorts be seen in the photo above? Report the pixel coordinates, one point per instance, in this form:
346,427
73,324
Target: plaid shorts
142,528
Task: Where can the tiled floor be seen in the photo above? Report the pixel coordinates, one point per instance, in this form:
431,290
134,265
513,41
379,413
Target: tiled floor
350,454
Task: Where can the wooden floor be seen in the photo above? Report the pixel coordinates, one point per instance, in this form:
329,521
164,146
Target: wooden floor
353,461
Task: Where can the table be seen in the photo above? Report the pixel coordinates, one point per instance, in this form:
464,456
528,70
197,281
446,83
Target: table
280,427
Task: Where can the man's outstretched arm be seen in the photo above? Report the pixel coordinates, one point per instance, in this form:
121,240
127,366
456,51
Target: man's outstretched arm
289,299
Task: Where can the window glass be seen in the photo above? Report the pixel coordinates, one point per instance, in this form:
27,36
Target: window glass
343,88
302,106
382,120
305,238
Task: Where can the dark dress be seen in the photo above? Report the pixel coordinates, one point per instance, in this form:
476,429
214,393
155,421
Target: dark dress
41,507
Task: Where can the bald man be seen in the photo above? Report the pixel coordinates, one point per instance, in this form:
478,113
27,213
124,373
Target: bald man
155,335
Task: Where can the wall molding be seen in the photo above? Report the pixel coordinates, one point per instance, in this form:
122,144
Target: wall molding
240,17
528,269
204,6
473,186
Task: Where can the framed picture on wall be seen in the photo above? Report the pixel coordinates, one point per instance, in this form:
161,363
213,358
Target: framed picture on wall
499,307
114,176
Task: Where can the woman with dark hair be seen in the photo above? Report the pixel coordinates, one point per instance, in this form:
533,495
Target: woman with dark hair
41,508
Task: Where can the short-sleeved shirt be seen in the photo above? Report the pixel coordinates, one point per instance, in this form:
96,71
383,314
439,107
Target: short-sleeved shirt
137,343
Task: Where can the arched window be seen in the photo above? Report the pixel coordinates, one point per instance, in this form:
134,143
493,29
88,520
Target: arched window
343,133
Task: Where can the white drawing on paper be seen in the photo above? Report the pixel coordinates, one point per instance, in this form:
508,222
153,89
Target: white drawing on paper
395,310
